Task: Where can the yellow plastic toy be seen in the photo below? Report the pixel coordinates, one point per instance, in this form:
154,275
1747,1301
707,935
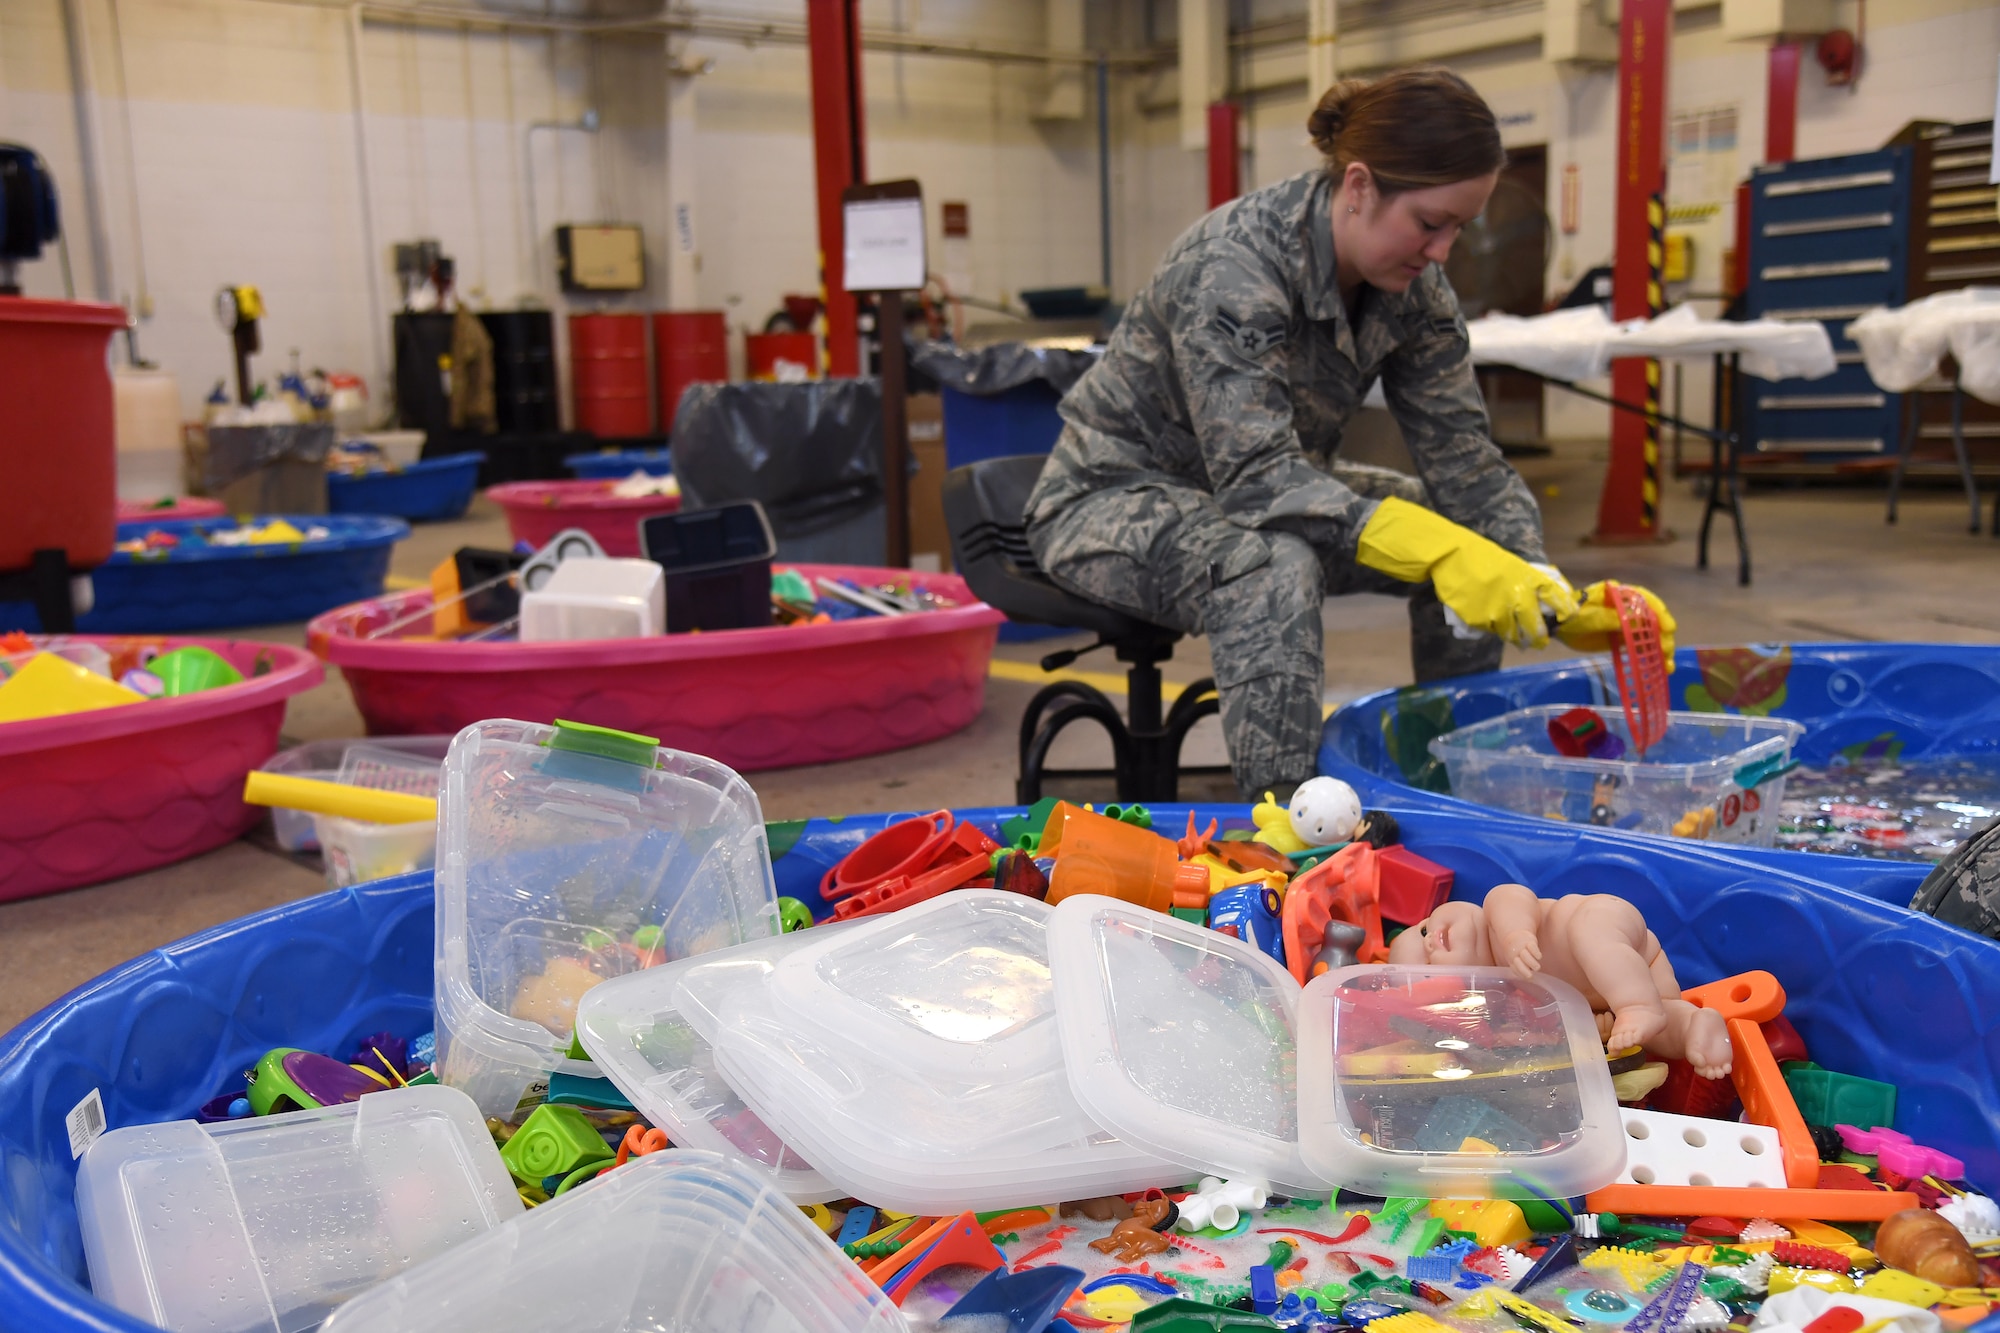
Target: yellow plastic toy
337,798
1784,1279
1274,827
1892,1284
275,533
1492,1222
51,686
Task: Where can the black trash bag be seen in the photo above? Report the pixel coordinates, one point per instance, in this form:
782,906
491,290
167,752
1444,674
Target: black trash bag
236,452
1003,366
1964,888
811,453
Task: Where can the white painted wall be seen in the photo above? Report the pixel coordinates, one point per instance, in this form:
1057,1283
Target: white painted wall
225,138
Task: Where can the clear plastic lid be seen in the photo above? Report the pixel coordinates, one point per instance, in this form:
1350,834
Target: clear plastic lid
269,1223
919,1144
634,1028
673,1242
567,855
1180,1040
1455,1082
957,987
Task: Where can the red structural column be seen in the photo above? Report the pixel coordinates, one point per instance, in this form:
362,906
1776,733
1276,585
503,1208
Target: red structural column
1781,103
1629,509
833,36
1225,153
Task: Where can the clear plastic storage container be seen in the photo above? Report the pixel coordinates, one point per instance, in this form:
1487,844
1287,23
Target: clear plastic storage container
637,1035
879,1122
269,1223
1449,1082
323,760
1712,776
955,988
673,1242
1180,1039
568,855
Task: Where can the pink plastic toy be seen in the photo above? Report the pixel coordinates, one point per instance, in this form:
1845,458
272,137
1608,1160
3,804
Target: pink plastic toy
752,698
538,510
1899,1153
91,796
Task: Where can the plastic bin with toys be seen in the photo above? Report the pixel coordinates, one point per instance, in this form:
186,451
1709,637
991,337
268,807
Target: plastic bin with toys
1895,765
1072,1053
177,575
849,661
119,755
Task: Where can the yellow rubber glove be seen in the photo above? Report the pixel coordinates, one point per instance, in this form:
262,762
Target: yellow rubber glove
1489,587
1594,625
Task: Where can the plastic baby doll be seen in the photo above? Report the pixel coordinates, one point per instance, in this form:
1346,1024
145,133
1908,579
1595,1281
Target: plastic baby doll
1596,943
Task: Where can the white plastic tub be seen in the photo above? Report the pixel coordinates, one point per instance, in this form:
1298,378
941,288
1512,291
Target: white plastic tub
269,1223
1712,776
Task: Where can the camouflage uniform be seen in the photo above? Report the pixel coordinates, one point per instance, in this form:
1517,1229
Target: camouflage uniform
1196,485
1964,888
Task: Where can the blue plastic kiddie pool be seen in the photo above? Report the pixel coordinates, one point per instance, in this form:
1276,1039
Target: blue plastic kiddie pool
422,492
618,464
165,1032
199,586
1914,700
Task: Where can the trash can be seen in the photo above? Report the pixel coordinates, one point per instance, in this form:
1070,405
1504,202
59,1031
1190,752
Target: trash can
810,453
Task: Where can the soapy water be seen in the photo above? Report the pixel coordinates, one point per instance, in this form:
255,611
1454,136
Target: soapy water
1919,810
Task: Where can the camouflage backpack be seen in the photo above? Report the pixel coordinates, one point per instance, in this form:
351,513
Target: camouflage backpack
1964,888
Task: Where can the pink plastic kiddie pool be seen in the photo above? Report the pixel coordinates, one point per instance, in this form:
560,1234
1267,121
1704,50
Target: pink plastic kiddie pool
752,698
91,796
538,510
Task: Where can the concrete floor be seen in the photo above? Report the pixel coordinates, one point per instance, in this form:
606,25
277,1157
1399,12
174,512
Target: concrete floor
1827,567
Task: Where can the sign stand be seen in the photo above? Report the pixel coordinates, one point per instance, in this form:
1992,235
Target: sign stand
883,244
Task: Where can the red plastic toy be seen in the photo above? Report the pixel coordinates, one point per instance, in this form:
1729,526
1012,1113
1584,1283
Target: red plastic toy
1409,887
1640,665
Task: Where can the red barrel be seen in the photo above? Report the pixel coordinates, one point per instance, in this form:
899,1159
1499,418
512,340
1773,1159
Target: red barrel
610,383
58,444
763,353
692,347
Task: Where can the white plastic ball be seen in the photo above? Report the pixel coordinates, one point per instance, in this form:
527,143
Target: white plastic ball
1325,810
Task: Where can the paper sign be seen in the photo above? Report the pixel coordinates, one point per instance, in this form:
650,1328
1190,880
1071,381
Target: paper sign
884,245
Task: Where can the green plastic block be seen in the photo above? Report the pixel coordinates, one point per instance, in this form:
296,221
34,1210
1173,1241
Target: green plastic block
554,1141
1827,1098
1198,915
1543,1217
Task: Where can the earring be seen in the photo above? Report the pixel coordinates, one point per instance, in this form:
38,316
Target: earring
1350,208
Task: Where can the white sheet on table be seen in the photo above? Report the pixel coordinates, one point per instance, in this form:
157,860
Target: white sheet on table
1903,346
1581,343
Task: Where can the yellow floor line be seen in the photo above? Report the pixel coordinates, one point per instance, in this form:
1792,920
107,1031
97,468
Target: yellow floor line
1006,668
403,583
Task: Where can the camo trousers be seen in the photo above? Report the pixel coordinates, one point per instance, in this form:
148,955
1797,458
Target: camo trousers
1165,553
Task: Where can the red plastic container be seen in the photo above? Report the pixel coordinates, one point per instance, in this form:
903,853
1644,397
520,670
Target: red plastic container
58,448
92,796
611,381
752,698
538,510
763,351
184,506
691,347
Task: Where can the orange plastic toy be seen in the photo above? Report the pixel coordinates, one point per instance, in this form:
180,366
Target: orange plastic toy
948,1241
1095,854
1344,887
1745,1001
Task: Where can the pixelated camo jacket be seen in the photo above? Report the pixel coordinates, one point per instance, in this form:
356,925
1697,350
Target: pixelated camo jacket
1235,371
1964,888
